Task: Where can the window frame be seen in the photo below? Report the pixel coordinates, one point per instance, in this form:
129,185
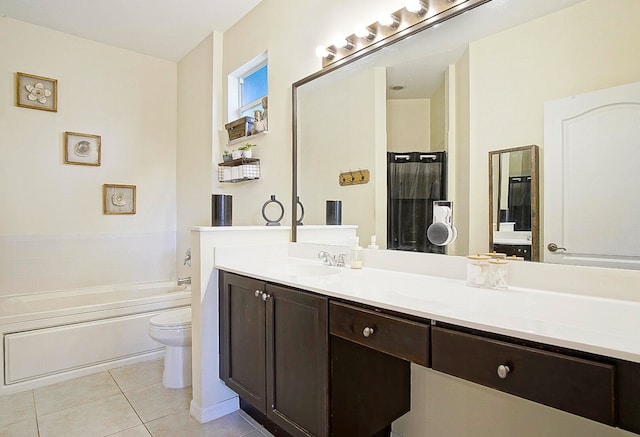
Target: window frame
235,82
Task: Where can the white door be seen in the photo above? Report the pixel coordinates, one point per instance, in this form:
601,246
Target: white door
592,178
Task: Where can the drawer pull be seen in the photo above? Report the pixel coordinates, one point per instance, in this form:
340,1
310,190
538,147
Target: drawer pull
503,371
265,296
367,331
258,293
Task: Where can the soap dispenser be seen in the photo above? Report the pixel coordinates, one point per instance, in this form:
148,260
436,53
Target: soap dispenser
355,254
372,244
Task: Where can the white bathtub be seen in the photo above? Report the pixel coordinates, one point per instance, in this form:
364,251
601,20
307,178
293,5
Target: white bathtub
53,336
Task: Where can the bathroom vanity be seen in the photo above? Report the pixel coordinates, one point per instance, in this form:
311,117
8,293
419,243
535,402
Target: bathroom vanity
318,350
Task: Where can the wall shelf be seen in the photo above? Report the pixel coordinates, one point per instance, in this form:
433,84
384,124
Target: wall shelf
246,138
239,170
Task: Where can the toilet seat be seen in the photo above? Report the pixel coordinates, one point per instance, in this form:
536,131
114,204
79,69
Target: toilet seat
180,318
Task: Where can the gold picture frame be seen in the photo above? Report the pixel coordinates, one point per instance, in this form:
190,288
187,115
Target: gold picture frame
82,149
118,199
36,92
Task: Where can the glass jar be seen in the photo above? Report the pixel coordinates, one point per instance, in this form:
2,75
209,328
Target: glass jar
477,270
498,274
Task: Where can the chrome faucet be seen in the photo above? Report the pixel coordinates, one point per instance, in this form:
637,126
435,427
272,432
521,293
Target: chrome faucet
332,260
184,281
187,258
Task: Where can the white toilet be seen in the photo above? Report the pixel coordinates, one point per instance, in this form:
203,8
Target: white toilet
173,329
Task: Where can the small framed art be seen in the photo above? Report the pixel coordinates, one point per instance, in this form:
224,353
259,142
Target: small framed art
36,92
81,149
119,199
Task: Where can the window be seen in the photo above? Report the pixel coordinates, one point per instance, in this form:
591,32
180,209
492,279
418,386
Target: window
253,87
247,86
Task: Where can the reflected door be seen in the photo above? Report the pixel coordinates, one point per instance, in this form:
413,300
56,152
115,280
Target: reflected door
592,154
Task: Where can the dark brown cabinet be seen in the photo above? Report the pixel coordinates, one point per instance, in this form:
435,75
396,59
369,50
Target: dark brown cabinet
579,386
370,368
310,367
273,352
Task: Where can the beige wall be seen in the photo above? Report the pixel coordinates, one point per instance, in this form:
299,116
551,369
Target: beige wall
408,125
458,154
53,233
573,51
437,114
199,109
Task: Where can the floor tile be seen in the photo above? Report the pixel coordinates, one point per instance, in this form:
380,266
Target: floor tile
138,375
262,432
138,431
156,401
99,418
182,424
23,428
74,392
16,408
257,433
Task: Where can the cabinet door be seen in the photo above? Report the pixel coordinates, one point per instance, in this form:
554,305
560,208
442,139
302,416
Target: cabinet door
297,361
242,338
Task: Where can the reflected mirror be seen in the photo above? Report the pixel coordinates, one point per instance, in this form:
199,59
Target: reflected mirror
513,202
478,82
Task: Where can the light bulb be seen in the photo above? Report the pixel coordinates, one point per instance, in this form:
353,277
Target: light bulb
340,42
324,52
389,20
416,6
364,32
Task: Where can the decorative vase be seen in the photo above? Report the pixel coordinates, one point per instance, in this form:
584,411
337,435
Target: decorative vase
247,153
221,206
334,212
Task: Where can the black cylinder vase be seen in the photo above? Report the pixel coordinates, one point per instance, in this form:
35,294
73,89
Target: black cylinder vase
334,212
221,206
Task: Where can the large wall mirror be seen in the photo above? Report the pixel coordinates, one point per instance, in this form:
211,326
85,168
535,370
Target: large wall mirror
475,83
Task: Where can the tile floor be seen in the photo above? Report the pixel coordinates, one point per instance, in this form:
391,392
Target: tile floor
128,401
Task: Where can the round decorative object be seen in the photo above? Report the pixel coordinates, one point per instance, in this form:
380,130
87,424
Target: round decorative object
299,220
82,148
119,199
264,207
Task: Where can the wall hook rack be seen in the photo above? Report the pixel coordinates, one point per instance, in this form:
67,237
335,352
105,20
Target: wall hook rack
354,177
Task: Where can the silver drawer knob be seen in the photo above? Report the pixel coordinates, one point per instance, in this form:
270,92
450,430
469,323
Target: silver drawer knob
503,371
265,296
367,331
258,293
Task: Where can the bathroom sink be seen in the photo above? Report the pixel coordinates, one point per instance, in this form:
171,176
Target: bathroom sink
310,270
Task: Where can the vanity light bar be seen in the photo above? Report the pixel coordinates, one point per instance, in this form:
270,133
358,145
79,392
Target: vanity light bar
415,16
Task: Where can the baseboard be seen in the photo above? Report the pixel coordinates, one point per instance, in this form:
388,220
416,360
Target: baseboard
220,409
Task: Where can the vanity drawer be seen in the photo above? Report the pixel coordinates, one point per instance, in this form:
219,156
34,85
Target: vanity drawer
392,335
571,384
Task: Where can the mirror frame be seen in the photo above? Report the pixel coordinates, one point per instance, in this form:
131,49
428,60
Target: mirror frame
448,11
535,197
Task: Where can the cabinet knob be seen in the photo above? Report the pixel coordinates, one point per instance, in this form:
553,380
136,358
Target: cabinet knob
367,331
258,293
503,371
265,296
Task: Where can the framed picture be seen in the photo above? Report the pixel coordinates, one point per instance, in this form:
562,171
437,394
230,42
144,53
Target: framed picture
81,149
36,92
119,199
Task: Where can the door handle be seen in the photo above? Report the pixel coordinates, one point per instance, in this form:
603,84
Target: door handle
553,247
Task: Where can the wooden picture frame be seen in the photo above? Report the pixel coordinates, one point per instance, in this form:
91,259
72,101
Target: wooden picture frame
36,92
118,199
82,149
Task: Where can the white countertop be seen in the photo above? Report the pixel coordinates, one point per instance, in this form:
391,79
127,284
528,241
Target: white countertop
598,325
